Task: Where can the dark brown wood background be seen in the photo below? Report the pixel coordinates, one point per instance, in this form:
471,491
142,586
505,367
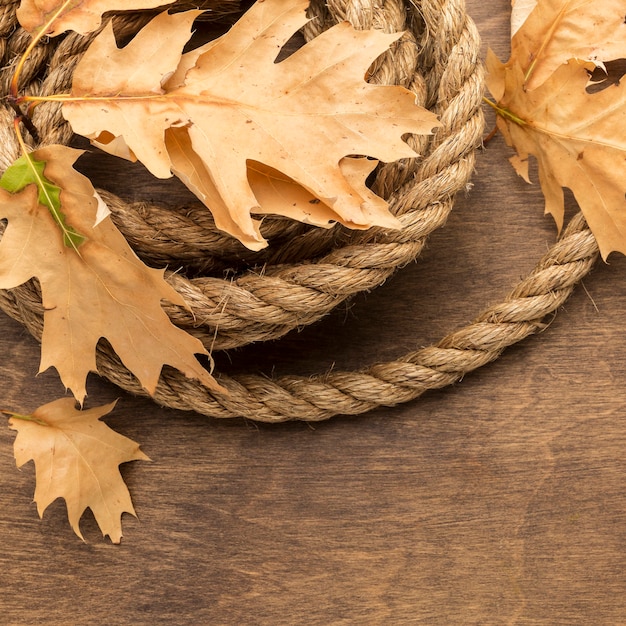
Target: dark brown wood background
500,500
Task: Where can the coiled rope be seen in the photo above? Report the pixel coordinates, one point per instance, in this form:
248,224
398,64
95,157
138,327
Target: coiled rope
307,272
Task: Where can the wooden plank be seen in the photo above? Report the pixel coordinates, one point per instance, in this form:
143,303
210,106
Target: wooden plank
500,500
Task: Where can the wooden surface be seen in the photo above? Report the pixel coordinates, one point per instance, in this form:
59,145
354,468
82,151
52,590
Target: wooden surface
498,501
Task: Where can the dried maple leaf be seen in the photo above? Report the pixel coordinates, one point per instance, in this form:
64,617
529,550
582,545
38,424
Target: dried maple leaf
579,140
82,16
232,106
559,30
92,288
77,458
545,108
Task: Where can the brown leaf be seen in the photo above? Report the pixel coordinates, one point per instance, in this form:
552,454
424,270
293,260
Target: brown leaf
100,289
579,140
559,30
77,458
233,105
81,16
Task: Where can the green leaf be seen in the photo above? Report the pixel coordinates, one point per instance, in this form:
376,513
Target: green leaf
28,171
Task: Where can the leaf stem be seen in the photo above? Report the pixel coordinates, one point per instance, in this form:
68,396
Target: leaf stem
25,418
14,87
69,235
40,34
24,119
20,139
68,97
504,112
533,64
492,133
15,79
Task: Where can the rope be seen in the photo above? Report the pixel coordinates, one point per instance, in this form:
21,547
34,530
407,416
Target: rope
309,271
317,398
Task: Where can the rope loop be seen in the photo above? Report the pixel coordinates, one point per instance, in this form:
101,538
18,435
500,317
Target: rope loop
238,297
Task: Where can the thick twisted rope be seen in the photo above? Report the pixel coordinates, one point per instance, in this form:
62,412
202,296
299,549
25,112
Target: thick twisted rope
265,305
521,314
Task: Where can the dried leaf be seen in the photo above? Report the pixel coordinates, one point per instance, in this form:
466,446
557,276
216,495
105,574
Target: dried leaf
579,140
274,189
77,458
520,10
81,16
233,106
545,109
98,289
559,30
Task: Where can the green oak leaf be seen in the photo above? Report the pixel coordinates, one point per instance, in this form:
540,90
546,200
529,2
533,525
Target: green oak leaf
28,171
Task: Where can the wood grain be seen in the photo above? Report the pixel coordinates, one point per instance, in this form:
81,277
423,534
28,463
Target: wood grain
498,501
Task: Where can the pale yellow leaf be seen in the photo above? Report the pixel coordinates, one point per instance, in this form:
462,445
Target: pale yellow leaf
233,105
77,458
496,75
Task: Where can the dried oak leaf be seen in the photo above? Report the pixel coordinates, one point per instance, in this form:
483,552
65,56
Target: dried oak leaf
77,458
559,30
81,16
95,287
578,139
231,107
